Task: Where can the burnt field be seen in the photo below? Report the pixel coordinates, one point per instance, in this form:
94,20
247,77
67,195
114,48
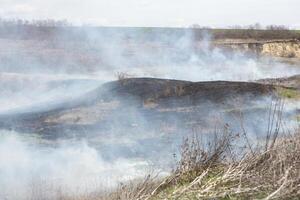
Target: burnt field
92,108
163,102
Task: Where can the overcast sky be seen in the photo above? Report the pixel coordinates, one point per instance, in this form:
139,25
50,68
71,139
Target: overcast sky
214,13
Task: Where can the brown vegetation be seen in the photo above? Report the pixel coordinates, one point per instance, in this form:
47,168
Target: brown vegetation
226,167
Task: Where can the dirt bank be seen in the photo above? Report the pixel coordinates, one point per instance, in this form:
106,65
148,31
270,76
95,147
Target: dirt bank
273,48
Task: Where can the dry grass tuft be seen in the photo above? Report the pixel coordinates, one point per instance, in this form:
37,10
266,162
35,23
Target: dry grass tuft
136,189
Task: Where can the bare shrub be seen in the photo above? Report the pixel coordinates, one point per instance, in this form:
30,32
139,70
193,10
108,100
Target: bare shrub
278,168
122,76
196,156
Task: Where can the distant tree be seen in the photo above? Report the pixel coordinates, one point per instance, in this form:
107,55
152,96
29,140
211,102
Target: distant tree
255,26
277,27
235,27
195,26
37,23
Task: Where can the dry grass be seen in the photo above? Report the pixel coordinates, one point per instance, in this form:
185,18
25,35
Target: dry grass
269,171
211,172
217,169
269,174
215,172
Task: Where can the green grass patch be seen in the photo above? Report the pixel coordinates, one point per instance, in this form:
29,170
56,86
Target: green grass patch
289,93
298,118
213,178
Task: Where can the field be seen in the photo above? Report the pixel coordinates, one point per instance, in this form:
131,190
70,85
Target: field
148,113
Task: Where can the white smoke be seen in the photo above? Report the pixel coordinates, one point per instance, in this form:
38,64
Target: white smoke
31,167
30,170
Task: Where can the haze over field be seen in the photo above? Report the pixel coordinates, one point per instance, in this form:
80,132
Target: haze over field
48,71
86,110
93,155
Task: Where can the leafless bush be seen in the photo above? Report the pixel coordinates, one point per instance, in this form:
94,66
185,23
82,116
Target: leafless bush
123,76
196,156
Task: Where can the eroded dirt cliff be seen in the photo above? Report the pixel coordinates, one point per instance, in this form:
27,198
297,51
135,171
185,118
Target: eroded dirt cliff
274,48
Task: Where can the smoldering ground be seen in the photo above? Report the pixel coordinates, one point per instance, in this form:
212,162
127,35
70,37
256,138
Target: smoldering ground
99,141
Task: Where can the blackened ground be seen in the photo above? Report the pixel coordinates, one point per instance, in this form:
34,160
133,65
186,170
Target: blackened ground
140,103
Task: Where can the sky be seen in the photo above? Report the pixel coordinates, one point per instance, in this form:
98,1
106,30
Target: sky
164,13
